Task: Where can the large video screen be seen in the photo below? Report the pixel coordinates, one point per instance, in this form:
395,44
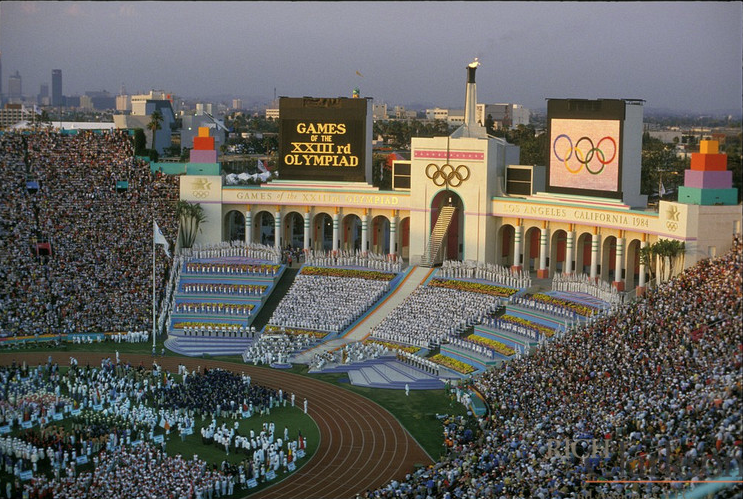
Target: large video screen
584,155
322,139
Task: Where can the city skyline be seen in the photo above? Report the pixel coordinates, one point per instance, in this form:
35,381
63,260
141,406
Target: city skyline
681,56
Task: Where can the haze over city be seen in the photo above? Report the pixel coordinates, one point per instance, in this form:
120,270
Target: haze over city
680,56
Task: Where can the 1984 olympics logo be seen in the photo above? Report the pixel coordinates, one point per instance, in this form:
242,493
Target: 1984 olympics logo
201,188
584,152
447,174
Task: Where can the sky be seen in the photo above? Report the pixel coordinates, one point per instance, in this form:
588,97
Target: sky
681,56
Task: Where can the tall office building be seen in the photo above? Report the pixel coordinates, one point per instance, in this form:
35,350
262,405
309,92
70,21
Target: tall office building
15,89
57,98
43,98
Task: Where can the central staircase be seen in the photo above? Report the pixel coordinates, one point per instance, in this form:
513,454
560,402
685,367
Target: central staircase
432,255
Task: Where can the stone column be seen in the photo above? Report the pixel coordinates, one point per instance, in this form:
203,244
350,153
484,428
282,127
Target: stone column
336,232
569,250
307,229
641,287
543,272
618,264
248,225
517,235
364,232
277,228
595,254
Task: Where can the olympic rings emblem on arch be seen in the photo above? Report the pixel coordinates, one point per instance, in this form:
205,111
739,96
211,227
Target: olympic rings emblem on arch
672,226
200,194
447,175
583,158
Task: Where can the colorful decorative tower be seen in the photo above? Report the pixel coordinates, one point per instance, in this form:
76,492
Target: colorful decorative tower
203,148
708,182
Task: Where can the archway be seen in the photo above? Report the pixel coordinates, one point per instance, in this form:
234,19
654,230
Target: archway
323,232
380,240
583,253
558,252
351,236
234,226
504,250
609,260
264,228
293,230
531,248
632,273
451,246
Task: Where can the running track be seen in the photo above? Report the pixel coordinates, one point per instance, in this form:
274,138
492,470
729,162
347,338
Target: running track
362,446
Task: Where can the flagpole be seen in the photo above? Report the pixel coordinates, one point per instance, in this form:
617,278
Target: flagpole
153,288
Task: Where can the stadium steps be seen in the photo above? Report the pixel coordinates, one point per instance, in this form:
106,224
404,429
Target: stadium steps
275,297
475,359
508,338
196,346
544,318
386,372
431,255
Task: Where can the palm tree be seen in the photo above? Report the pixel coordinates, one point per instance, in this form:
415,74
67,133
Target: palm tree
676,251
663,251
647,258
190,215
154,125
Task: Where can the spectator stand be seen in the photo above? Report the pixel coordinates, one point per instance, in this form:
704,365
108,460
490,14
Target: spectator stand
217,296
295,336
656,381
470,350
328,299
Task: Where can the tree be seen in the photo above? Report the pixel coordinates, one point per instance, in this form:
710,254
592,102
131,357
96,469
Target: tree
660,164
154,125
490,124
533,147
140,142
190,216
667,253
647,258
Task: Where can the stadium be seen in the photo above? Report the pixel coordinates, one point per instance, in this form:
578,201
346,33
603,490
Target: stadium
174,335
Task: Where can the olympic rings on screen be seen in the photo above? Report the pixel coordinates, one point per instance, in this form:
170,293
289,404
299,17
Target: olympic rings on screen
447,174
592,152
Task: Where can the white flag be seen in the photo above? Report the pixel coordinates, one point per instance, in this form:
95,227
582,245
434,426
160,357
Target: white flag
261,167
662,189
160,239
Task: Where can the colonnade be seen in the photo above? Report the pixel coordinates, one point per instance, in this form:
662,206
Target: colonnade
572,243
388,238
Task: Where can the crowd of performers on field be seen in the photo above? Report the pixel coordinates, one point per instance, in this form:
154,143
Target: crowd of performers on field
52,423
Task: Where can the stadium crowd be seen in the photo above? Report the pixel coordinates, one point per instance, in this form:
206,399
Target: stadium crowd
95,274
357,258
454,269
326,303
651,392
431,314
